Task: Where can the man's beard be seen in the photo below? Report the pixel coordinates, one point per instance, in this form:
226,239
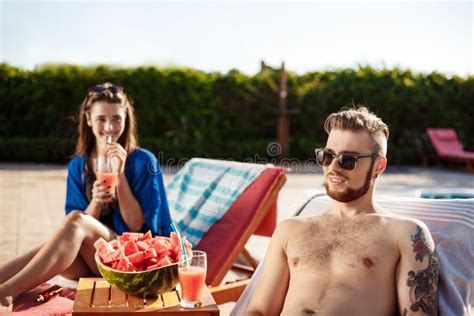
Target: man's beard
351,194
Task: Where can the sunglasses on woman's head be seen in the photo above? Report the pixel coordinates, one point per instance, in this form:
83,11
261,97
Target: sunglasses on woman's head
346,161
100,89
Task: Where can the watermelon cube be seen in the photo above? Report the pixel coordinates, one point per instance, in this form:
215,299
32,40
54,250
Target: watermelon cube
100,244
125,265
142,245
152,261
115,264
166,253
110,256
123,239
160,246
161,239
130,247
114,244
146,236
165,261
137,258
133,236
154,266
140,268
150,253
174,240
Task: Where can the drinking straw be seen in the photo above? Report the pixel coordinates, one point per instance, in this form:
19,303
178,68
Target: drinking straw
181,242
110,162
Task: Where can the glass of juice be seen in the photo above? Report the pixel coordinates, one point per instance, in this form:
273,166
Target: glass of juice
106,170
191,278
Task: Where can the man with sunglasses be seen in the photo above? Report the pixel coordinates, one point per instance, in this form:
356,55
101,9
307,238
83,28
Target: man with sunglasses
355,258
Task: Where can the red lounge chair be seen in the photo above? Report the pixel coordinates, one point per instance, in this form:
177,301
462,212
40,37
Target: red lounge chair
447,145
254,212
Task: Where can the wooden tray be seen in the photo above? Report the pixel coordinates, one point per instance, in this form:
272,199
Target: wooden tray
95,296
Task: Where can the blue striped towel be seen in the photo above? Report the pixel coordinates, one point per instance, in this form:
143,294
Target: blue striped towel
203,190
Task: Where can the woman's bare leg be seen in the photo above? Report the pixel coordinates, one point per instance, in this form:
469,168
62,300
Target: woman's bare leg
78,231
14,266
77,269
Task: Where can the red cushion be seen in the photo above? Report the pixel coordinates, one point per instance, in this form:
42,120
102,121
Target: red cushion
268,224
26,304
225,234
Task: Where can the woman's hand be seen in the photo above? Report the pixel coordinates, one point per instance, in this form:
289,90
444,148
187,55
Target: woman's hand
116,150
101,193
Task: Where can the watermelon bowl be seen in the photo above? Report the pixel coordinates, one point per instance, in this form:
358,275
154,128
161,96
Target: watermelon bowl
148,283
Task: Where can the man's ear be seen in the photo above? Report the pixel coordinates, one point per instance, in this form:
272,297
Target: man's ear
379,166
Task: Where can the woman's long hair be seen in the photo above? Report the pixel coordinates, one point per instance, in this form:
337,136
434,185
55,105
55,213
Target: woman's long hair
110,93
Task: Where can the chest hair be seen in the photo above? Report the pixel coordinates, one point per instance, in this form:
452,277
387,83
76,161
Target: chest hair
331,240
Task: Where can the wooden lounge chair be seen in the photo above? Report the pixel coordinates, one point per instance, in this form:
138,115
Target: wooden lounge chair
253,212
451,222
447,146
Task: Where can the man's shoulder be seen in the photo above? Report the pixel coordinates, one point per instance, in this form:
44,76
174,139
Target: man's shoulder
404,223
406,229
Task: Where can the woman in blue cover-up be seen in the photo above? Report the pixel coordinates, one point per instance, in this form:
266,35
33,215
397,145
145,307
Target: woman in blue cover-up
107,127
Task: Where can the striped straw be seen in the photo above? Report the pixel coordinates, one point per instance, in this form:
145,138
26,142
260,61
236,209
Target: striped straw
183,249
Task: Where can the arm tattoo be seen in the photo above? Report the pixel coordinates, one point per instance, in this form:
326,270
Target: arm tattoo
420,246
424,283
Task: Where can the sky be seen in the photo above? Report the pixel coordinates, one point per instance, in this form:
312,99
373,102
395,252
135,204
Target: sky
424,36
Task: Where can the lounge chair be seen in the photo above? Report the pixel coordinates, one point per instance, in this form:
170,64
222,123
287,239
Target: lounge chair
447,146
253,212
451,223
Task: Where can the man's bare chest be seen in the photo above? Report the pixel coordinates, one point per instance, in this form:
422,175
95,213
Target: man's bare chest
330,244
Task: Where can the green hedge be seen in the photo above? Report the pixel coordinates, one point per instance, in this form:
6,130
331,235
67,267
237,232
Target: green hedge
184,113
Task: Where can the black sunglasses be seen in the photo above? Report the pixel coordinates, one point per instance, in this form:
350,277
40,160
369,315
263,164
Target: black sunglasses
100,89
346,161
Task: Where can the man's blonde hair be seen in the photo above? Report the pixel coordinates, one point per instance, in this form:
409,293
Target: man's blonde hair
360,119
